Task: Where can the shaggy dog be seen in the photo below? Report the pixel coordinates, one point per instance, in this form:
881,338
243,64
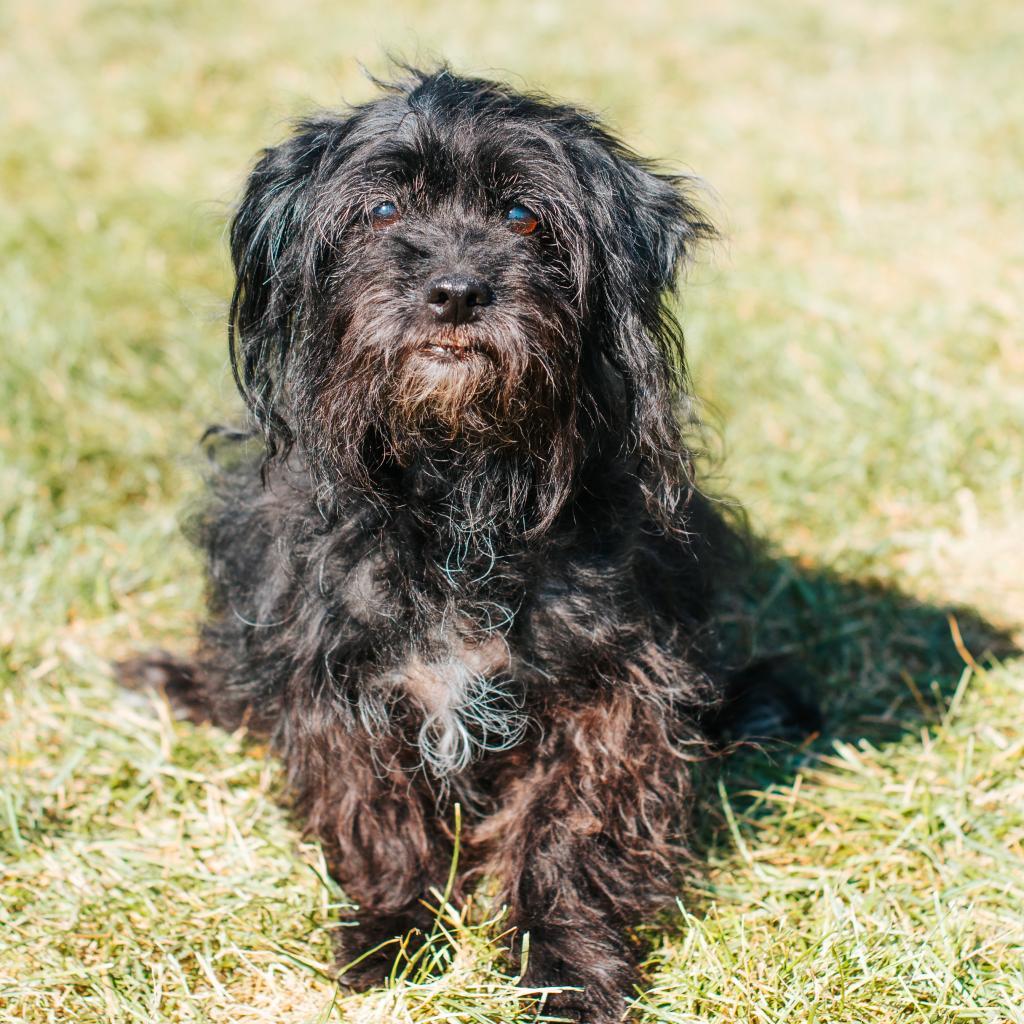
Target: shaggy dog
466,562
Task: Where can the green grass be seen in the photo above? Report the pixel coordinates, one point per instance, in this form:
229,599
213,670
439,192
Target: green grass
857,338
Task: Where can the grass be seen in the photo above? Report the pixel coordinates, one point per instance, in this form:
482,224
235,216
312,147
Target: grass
858,339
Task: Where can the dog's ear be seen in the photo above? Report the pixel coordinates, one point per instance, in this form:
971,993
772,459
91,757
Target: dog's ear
652,220
664,225
649,224
270,255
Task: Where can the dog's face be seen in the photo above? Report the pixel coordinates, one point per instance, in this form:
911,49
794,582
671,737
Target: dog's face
458,268
450,294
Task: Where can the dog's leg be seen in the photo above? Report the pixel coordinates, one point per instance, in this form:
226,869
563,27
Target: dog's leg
387,859
384,842
586,844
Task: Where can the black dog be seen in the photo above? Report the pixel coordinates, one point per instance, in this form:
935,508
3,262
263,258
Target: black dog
470,563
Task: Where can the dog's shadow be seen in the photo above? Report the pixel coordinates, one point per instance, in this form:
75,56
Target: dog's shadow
878,663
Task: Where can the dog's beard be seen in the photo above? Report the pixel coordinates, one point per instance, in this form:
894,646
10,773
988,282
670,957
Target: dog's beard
447,387
484,411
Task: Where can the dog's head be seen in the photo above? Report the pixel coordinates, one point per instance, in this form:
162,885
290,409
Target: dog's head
458,271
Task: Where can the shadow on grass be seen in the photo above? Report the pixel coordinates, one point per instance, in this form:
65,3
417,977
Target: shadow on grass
878,662
881,659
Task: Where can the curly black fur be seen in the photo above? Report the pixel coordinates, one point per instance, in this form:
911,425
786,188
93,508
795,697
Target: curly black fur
470,563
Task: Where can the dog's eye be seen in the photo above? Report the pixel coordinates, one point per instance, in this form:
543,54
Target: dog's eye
384,214
521,220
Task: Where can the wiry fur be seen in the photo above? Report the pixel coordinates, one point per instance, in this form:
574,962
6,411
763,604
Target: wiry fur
482,578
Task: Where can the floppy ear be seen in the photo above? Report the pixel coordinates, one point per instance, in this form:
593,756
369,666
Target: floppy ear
649,224
269,252
651,220
668,224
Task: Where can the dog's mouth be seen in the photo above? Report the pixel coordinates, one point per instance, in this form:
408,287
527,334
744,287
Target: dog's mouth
451,347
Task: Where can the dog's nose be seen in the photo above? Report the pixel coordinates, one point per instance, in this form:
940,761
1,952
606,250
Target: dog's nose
457,299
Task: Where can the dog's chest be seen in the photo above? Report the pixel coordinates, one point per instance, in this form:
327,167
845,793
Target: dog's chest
463,697
433,681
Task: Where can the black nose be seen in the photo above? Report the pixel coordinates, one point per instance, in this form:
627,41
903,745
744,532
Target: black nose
455,299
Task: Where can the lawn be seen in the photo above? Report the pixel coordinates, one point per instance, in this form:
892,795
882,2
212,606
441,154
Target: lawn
857,339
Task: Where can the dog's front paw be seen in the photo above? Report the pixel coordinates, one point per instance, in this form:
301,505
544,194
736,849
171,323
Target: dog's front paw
585,1005
365,954
592,992
576,1008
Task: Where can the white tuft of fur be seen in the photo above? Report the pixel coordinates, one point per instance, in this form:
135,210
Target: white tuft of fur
472,714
